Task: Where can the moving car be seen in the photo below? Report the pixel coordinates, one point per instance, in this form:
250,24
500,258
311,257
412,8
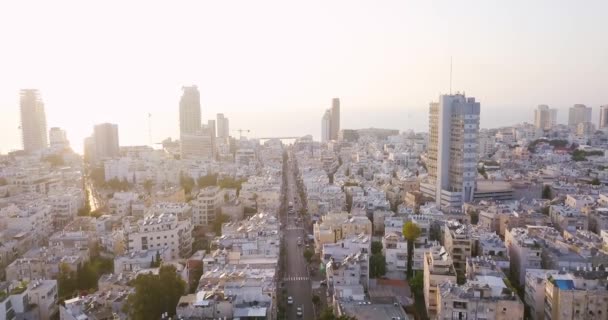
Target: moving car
289,300
299,312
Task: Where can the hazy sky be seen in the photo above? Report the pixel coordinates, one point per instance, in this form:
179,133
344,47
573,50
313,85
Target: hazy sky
273,66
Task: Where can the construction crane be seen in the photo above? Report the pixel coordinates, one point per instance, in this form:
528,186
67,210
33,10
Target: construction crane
240,131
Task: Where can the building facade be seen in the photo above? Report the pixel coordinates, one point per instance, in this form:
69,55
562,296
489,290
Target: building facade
452,150
545,118
579,113
33,121
105,136
189,110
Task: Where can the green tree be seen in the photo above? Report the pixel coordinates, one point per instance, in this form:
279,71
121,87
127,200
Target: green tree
377,265
417,284
328,314
207,181
155,294
148,184
474,216
411,232
308,254
217,223
595,182
316,300
54,160
376,247
186,182
547,194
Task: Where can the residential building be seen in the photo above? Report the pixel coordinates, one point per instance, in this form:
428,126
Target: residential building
452,150
577,295
335,118
536,281
524,252
160,230
223,128
326,126
458,243
197,145
105,136
438,268
189,111
33,121
206,206
603,117
487,297
544,117
579,113
58,138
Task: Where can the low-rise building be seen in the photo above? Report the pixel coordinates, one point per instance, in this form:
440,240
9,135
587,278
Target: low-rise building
438,268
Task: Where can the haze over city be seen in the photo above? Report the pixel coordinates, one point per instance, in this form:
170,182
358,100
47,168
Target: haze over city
335,160
282,63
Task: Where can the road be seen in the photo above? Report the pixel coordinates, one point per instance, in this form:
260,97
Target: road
296,278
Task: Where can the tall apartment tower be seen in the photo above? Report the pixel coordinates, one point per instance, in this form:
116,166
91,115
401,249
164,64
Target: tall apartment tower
190,110
545,118
603,116
326,126
223,128
452,150
33,121
335,118
579,114
105,136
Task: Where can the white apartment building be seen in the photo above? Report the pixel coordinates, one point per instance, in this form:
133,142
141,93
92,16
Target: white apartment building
160,230
340,250
135,261
121,203
487,297
206,206
524,252
34,217
453,150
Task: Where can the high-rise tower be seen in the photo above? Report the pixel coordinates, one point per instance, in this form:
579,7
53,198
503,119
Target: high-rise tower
603,116
452,150
190,110
335,118
33,121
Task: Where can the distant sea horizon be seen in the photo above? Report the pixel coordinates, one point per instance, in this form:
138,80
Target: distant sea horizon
287,124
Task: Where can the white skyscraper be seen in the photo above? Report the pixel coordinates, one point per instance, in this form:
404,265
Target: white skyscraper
223,128
579,114
453,150
544,117
33,121
326,126
603,117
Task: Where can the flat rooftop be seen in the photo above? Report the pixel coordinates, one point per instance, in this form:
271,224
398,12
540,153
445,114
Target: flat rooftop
375,311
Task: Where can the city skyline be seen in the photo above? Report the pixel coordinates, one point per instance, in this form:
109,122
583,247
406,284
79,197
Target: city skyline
375,58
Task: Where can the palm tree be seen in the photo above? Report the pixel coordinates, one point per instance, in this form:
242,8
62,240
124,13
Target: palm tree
411,232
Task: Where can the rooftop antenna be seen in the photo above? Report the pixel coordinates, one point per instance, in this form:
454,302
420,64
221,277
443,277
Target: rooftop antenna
450,75
149,129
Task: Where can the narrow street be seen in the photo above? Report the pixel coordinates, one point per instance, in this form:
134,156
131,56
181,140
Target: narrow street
297,279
